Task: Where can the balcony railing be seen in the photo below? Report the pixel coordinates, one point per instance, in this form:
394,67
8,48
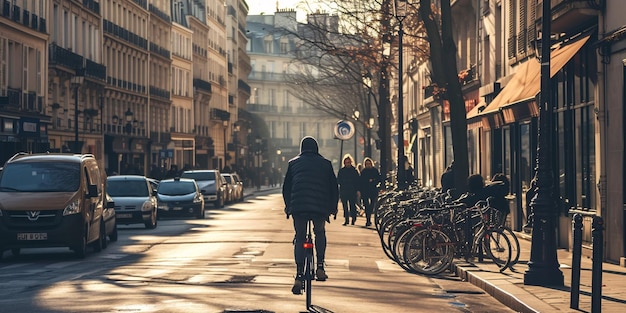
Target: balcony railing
95,70
158,92
217,114
202,85
262,108
64,57
243,86
92,6
255,75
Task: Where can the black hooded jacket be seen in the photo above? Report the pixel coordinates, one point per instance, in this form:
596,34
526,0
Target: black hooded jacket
310,185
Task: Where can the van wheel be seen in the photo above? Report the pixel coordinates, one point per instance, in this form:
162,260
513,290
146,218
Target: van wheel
81,250
15,251
200,214
97,245
113,234
152,224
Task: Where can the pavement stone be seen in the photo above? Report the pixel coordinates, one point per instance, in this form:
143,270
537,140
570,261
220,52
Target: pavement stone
508,287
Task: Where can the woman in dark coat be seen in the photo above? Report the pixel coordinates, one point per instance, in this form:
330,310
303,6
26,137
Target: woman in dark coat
348,179
370,180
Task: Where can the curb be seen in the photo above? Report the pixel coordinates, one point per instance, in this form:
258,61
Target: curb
505,293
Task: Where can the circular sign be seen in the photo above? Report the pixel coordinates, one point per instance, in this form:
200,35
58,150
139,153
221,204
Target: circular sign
344,130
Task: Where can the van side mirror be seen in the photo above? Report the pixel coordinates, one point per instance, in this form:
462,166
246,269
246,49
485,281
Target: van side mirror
92,191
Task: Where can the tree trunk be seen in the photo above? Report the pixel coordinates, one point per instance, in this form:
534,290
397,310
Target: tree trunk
445,75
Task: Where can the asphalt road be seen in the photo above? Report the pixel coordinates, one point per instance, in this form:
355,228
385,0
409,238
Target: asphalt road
238,259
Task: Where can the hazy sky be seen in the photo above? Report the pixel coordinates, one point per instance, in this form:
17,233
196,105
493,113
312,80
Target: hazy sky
268,7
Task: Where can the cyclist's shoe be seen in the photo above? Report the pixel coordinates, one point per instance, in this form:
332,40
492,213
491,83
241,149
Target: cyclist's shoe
320,274
298,285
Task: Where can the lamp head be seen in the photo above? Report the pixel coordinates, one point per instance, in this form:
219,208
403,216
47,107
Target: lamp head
128,116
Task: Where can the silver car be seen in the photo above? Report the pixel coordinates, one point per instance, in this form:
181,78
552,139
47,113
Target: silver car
212,185
135,200
236,186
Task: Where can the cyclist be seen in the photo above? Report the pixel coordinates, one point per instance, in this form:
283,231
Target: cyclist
310,192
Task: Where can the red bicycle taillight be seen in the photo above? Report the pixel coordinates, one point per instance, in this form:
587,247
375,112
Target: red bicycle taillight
308,245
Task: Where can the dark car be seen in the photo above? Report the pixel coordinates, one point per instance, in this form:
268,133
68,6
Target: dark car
180,196
212,185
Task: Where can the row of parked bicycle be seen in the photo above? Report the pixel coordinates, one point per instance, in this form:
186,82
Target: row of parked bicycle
423,230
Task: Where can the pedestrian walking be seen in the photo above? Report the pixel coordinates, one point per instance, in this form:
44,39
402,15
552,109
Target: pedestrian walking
370,186
348,178
310,192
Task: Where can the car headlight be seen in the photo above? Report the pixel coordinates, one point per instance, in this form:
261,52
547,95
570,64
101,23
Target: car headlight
147,206
72,208
197,199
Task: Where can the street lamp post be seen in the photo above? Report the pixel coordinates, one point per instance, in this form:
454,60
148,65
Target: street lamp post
356,135
370,125
258,160
236,142
225,122
400,13
77,81
129,117
367,82
543,267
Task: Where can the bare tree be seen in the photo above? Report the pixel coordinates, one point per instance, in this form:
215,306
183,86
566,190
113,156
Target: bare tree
445,78
339,52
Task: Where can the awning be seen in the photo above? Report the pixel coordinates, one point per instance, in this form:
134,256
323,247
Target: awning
526,81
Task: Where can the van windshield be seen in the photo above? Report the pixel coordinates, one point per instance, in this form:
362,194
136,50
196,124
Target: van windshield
40,177
127,188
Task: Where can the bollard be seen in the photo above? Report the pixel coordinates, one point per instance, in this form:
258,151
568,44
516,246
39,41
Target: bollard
577,230
597,227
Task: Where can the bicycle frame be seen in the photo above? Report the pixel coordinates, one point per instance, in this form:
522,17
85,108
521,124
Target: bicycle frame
309,262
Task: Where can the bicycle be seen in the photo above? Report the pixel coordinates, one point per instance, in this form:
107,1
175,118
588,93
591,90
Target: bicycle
309,264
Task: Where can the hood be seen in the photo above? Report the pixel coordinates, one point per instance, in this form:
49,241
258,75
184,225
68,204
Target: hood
187,197
309,144
130,201
28,201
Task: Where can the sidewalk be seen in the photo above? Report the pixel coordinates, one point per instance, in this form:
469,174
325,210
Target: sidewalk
248,191
508,287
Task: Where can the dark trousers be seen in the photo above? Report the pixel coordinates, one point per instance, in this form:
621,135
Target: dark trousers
349,206
319,231
369,200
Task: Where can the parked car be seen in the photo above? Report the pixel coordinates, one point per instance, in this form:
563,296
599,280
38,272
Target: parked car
135,200
212,185
236,186
55,200
180,195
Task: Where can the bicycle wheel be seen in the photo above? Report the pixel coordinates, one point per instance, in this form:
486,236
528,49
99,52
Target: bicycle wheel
308,282
515,247
429,252
498,248
399,244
